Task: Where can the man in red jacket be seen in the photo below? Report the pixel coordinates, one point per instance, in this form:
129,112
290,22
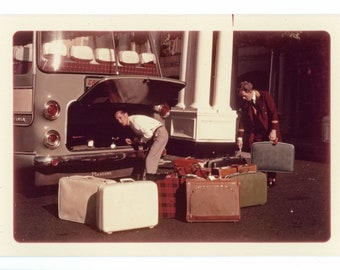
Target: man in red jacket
258,120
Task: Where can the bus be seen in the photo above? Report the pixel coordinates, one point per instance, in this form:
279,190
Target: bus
67,86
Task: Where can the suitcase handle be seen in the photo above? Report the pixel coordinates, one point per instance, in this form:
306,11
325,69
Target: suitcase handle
231,175
237,173
274,142
126,180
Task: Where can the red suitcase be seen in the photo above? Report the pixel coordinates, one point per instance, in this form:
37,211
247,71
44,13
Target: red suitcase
213,201
184,166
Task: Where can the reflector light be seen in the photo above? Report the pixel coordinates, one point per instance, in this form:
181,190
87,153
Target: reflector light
55,162
52,139
51,110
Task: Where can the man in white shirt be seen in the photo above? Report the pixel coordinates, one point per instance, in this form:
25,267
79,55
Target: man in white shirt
149,131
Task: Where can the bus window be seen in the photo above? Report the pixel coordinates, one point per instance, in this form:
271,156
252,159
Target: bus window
22,52
22,78
97,53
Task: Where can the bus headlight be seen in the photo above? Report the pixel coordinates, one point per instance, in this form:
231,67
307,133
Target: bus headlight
51,110
52,139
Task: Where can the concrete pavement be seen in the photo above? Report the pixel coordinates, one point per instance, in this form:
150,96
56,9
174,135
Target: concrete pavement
298,210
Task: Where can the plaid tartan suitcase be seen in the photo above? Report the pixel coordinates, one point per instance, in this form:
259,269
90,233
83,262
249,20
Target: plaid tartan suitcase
272,157
167,189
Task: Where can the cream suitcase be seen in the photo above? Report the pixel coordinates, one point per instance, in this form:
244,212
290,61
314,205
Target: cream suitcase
77,198
127,205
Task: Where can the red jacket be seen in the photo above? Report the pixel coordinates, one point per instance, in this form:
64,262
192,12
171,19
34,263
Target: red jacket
256,127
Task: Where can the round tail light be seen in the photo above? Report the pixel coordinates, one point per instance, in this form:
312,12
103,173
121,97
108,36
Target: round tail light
52,139
51,110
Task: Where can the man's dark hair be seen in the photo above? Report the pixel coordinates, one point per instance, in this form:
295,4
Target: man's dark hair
246,86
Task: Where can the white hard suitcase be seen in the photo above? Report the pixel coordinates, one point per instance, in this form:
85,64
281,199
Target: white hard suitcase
77,198
127,205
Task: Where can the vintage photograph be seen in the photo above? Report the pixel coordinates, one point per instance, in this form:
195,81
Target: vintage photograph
176,136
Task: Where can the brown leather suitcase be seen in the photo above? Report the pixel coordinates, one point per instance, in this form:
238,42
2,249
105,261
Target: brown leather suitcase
246,168
213,201
221,172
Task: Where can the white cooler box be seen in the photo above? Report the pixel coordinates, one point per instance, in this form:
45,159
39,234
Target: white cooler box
128,205
77,198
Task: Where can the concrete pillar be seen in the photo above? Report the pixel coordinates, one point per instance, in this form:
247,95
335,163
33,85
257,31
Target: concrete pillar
199,122
203,71
223,65
183,68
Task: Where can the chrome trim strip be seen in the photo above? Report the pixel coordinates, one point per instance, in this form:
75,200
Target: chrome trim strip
49,162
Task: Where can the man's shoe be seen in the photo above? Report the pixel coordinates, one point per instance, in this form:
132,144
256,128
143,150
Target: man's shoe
271,182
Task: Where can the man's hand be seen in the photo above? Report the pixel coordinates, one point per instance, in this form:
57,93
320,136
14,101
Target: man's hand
272,135
239,142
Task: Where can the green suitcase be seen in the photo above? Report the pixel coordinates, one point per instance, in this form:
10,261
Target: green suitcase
253,187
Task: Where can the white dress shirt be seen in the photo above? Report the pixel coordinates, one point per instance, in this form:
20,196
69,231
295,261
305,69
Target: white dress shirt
253,98
144,126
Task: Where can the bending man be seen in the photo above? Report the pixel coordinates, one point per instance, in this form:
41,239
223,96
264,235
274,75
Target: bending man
149,132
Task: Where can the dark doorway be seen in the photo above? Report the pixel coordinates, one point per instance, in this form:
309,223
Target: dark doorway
295,68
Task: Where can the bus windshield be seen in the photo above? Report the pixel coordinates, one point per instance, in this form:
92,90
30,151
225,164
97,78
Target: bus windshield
97,52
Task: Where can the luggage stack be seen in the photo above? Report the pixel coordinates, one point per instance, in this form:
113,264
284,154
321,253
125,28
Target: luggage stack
217,195
237,179
196,191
